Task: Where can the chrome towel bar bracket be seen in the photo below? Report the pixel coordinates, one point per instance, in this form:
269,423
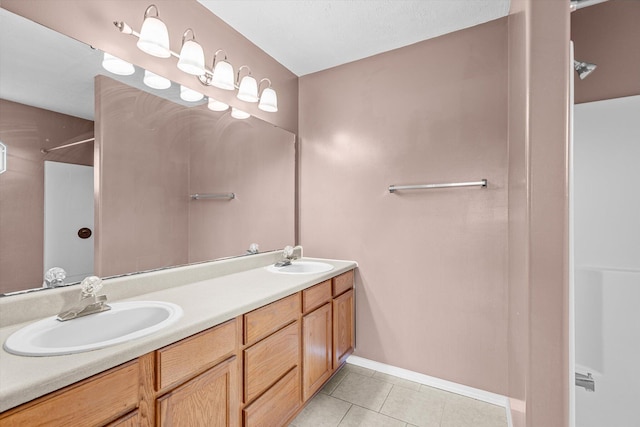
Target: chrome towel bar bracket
394,188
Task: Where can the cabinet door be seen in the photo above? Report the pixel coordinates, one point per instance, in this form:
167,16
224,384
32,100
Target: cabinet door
208,400
343,328
316,350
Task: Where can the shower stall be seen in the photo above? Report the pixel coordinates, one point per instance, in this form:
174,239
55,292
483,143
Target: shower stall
605,223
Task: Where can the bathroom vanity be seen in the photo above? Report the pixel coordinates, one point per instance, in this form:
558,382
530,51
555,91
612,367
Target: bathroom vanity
252,347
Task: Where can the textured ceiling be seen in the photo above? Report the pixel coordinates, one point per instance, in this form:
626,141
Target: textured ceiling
312,35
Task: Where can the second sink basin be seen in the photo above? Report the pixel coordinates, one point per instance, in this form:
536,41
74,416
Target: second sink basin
302,267
124,322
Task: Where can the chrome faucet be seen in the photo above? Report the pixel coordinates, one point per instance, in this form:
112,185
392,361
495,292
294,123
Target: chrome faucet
288,256
90,303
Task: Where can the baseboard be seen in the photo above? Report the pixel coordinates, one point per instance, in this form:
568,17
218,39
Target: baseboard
474,393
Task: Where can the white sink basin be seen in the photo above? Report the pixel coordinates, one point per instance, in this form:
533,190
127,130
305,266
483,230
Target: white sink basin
124,322
302,267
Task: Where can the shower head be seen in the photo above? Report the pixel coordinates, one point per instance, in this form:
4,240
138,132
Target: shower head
583,68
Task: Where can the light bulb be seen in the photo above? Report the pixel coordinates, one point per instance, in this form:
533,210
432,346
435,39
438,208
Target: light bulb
190,95
215,105
223,76
239,114
248,90
268,100
191,56
155,81
154,36
116,65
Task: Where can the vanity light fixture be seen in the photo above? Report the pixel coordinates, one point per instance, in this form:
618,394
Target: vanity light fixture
268,98
190,95
117,66
191,55
222,76
154,40
155,81
248,86
154,36
3,158
239,114
215,105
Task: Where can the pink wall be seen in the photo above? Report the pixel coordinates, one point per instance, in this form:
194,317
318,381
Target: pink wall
25,130
518,351
607,34
253,159
549,69
538,213
91,21
142,183
432,285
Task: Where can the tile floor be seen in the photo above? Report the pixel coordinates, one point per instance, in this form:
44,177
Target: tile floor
358,396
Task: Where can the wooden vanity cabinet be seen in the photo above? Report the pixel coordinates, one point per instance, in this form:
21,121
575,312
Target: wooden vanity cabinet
197,379
129,420
208,400
96,401
254,370
343,318
271,356
316,338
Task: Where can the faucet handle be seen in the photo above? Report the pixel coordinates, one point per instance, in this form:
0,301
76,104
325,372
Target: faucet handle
90,286
54,277
288,251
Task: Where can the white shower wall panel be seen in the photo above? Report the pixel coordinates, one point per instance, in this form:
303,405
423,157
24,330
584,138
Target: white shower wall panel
607,260
607,183
617,397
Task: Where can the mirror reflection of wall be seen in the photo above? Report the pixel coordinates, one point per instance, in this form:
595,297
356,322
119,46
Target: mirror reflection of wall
152,151
150,167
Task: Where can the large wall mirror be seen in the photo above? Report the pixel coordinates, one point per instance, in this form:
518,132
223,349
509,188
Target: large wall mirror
107,176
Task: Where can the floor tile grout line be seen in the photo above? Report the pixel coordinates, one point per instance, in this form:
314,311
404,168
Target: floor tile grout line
345,414
380,413
385,399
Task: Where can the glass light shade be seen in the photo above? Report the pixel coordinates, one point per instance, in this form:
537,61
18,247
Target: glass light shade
268,100
191,58
190,95
116,65
154,38
248,90
223,76
239,114
215,105
155,81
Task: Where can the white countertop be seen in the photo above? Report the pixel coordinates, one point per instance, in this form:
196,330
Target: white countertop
206,303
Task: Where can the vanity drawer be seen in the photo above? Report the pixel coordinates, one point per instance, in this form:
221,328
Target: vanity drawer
277,405
315,296
270,359
342,283
202,350
95,401
268,319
